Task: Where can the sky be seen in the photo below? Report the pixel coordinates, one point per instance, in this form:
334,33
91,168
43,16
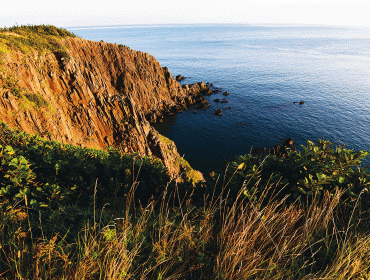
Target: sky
70,13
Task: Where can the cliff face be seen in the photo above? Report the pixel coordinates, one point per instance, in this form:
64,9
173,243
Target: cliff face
97,95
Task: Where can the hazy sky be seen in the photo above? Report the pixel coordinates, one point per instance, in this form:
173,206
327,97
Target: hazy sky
66,13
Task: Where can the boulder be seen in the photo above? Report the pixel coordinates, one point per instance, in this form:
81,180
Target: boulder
225,93
218,112
180,78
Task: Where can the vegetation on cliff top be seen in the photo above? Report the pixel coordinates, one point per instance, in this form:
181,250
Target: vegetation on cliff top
25,38
68,211
34,37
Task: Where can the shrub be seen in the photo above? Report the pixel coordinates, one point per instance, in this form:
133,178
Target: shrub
62,54
39,100
308,172
52,174
39,29
39,37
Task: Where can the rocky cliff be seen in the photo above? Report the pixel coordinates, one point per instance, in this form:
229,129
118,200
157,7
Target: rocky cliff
93,94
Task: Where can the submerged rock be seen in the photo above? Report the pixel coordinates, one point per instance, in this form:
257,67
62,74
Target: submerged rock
218,112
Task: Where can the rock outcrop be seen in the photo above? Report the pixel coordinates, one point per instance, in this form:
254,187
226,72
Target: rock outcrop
101,95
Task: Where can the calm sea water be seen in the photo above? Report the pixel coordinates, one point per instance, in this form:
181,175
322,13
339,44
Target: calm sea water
265,69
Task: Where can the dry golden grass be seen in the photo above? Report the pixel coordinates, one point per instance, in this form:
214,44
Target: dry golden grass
174,239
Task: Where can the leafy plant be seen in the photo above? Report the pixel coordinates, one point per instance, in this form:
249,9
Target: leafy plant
308,172
52,174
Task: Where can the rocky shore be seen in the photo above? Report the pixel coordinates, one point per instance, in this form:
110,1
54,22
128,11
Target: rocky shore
194,95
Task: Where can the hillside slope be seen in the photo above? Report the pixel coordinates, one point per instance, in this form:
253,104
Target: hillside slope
92,94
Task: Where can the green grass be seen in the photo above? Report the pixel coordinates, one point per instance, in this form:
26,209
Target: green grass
10,83
172,239
36,100
63,216
26,38
190,175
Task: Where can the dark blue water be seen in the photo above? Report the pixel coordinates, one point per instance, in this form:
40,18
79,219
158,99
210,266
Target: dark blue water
265,69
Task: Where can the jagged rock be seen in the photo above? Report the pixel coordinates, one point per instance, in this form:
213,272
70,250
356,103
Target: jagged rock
204,104
225,93
180,78
103,92
208,92
218,112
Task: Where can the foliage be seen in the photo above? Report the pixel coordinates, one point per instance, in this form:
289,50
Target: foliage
55,221
39,37
11,83
309,172
49,174
243,240
37,99
39,29
62,54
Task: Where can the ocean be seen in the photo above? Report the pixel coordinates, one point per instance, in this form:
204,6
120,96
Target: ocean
265,69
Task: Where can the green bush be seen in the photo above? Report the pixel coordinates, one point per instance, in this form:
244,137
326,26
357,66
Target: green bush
62,54
308,172
37,99
50,174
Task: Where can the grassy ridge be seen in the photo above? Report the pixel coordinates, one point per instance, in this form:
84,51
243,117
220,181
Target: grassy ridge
28,37
70,212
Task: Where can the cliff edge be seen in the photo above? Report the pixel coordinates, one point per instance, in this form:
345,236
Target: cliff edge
91,94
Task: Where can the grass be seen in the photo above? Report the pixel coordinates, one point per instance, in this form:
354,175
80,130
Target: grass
176,239
190,174
41,38
11,84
